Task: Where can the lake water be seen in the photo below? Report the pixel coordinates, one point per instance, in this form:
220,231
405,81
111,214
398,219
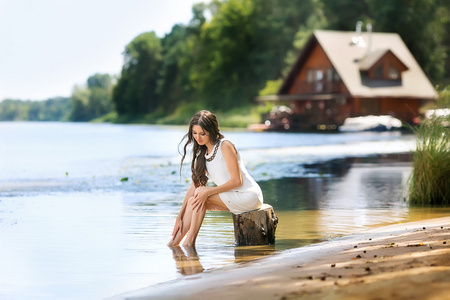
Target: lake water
72,227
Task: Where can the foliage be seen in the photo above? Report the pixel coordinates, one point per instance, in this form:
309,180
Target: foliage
54,109
239,117
92,101
182,114
271,88
135,92
444,97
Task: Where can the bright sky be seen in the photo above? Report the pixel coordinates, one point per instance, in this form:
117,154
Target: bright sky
48,46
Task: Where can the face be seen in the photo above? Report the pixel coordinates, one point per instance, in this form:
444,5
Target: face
200,135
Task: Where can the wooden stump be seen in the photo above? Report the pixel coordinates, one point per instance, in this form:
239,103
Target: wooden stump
255,227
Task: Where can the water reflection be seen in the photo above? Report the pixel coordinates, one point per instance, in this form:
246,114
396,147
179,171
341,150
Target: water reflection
350,183
187,263
339,197
247,253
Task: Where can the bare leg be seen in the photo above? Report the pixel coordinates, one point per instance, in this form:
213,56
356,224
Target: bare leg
213,203
195,224
192,221
186,221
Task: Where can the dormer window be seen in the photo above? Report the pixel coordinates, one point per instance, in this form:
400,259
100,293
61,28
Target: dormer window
393,74
382,64
378,73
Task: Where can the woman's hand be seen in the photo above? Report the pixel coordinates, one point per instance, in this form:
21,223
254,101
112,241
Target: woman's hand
201,194
178,227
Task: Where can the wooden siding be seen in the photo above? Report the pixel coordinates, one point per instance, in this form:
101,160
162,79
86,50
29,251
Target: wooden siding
317,61
386,62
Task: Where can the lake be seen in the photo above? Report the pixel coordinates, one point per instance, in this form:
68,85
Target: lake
86,210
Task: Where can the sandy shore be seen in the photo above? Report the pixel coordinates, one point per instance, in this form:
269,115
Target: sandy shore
402,261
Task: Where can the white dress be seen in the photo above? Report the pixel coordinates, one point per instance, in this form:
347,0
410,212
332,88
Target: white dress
245,198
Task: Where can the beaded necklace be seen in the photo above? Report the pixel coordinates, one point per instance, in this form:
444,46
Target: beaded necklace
216,147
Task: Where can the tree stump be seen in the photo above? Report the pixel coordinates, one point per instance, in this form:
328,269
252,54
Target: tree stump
255,227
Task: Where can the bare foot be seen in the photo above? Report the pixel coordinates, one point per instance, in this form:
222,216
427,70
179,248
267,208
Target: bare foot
187,244
171,244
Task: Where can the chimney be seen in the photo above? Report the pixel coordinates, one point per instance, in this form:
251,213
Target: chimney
357,40
369,38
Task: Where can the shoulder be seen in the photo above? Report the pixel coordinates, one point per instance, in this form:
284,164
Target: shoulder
228,147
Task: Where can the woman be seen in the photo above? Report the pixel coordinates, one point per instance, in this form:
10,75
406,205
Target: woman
218,160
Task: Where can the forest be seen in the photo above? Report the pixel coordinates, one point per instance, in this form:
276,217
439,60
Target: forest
230,52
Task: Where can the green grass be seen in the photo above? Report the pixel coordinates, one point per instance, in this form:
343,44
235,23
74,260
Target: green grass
430,178
236,118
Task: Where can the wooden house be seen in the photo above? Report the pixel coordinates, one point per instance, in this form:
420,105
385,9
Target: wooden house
349,74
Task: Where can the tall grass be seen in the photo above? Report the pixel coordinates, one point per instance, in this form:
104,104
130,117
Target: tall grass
430,178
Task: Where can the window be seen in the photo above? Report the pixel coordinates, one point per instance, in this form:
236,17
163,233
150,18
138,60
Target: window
318,75
336,77
310,75
329,75
393,73
378,73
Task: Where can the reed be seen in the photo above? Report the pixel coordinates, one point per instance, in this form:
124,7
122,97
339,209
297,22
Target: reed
430,178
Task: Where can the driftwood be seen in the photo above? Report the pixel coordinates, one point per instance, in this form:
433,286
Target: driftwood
255,227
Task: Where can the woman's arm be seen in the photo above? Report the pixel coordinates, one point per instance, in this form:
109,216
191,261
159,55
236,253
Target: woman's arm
230,156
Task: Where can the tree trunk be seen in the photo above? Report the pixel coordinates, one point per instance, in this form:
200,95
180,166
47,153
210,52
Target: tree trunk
255,227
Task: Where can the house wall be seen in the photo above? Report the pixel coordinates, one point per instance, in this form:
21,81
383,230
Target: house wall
403,109
317,61
308,114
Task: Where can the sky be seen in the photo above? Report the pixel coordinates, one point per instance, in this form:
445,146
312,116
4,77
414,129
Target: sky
49,46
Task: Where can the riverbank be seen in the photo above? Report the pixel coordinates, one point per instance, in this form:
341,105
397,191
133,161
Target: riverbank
402,261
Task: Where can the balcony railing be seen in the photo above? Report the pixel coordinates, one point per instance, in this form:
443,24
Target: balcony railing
317,87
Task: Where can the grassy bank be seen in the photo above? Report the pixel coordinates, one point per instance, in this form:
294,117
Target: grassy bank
235,118
430,178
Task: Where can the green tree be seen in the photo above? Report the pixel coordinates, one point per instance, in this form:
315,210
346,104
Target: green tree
135,92
244,46
53,109
98,80
80,102
92,101
173,84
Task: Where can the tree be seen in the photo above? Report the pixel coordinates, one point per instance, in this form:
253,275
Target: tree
135,92
93,100
53,109
242,47
173,85
423,26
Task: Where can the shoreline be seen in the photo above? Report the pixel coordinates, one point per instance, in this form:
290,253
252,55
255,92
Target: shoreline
402,261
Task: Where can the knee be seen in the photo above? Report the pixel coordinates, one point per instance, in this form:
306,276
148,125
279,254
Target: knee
190,201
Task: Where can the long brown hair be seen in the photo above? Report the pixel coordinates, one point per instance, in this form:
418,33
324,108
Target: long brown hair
208,122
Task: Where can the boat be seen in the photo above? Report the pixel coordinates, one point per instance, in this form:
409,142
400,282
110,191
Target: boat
371,123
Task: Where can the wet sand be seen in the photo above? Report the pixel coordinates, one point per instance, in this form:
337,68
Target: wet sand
402,261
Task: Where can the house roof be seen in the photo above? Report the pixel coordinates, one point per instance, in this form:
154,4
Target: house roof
371,58
348,58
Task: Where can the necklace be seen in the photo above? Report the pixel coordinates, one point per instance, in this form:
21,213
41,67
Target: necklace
216,147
